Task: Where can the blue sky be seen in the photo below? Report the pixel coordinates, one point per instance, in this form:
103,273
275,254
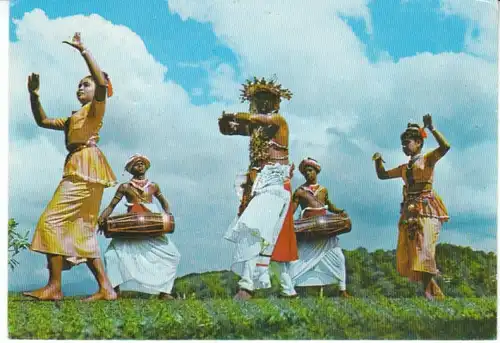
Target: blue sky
359,71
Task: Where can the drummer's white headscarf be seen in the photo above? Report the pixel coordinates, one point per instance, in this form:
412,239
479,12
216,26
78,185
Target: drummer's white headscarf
134,159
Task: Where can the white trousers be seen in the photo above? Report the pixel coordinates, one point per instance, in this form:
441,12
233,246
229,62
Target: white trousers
255,275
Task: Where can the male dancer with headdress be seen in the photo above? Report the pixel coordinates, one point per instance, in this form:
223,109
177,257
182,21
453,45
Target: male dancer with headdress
264,229
321,260
147,264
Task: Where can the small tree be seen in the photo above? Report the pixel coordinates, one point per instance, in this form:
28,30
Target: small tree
17,242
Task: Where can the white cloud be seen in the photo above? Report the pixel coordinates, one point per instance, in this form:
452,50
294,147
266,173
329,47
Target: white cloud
481,34
222,83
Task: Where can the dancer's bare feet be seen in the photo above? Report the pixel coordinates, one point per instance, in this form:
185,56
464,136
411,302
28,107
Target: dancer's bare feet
285,296
428,296
344,294
165,296
243,294
435,291
102,294
49,292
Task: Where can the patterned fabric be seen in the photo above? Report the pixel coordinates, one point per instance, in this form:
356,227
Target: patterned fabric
85,160
417,240
90,164
68,224
428,203
414,256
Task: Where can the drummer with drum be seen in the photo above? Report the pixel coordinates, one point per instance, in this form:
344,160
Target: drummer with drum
140,257
321,259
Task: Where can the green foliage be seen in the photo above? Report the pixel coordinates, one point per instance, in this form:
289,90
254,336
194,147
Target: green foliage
464,273
384,307
308,318
17,242
214,285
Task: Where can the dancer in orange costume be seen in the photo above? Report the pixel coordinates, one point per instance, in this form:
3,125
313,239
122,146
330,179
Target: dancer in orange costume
422,210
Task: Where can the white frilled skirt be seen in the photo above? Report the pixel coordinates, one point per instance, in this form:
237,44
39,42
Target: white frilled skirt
147,265
255,232
321,263
142,265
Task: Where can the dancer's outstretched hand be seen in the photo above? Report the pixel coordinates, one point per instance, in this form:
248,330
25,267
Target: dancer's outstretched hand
33,83
428,121
76,42
377,156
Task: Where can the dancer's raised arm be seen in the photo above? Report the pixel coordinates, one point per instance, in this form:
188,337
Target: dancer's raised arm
37,109
381,172
96,73
444,146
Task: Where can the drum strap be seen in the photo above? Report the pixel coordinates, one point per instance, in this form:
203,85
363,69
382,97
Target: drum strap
312,209
140,185
313,190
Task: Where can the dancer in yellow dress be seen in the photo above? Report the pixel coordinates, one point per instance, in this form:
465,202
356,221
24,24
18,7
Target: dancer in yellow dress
66,231
422,210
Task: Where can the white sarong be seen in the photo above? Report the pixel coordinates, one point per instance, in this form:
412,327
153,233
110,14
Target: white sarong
146,265
255,232
321,262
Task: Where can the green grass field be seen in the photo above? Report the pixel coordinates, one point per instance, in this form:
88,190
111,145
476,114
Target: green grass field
272,318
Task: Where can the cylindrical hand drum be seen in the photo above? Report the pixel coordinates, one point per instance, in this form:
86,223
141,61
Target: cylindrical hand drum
322,226
137,225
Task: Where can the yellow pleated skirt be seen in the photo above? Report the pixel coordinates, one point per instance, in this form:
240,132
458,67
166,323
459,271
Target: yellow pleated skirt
414,256
68,225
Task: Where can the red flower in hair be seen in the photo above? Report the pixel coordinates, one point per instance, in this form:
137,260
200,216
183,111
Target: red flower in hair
110,89
109,85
